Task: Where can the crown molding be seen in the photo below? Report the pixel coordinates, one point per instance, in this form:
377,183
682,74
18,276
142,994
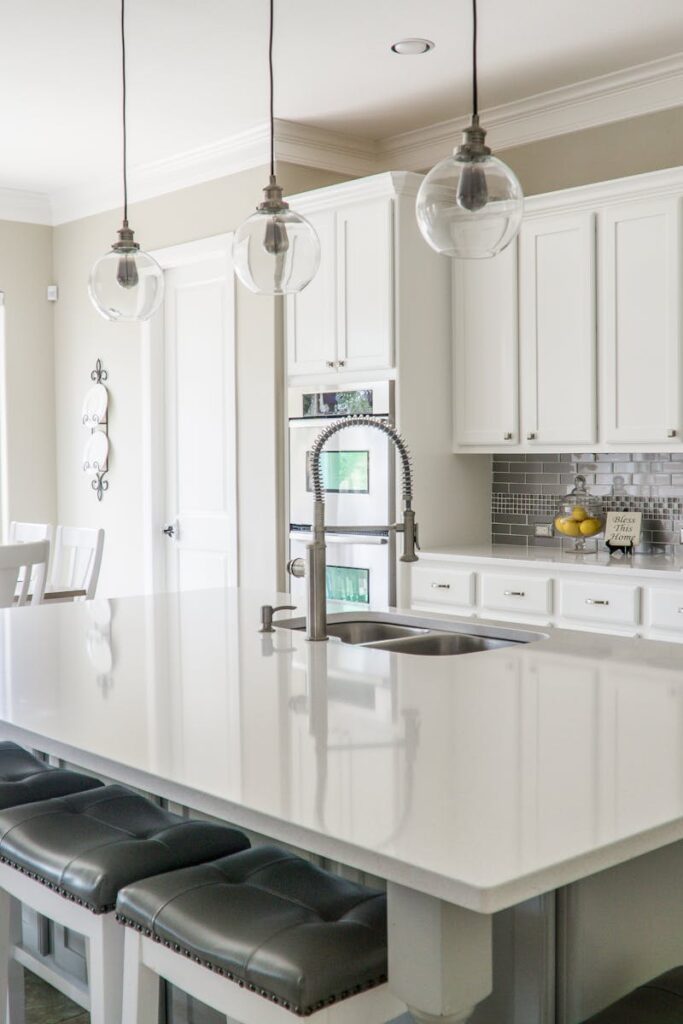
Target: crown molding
634,92
643,89
27,207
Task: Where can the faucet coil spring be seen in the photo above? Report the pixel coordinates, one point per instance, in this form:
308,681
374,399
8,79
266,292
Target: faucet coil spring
361,420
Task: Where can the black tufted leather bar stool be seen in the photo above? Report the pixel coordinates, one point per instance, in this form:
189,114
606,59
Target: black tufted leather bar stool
260,925
68,857
25,779
660,1001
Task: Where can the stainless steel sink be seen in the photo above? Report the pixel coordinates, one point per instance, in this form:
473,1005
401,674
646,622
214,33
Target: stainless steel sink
443,643
401,634
360,631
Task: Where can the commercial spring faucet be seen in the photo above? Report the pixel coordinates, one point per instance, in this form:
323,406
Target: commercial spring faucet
314,568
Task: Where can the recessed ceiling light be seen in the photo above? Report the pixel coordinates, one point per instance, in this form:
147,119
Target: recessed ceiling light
410,47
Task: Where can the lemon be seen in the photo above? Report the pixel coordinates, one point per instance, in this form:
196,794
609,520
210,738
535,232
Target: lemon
590,526
579,513
567,526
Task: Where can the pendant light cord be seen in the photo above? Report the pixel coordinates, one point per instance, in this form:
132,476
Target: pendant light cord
272,90
125,131
475,84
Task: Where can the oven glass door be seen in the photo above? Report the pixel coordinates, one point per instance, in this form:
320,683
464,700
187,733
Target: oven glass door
357,571
355,466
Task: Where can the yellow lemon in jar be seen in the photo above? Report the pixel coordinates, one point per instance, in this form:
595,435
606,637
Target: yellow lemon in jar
567,526
579,513
589,527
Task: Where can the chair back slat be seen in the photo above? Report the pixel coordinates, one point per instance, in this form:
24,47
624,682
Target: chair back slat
77,559
23,572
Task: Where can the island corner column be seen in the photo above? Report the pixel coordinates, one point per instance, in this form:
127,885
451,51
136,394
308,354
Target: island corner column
440,956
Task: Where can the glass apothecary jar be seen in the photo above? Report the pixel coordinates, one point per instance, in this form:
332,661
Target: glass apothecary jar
580,519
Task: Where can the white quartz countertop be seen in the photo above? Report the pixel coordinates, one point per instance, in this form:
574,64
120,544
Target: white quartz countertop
654,566
481,779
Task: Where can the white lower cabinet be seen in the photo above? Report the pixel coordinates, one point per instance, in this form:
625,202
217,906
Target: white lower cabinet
517,594
454,588
600,604
596,601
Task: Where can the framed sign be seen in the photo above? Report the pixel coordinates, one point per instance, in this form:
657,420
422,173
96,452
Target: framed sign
622,530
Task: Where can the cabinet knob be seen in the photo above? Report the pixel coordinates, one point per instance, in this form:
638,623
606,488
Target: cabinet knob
507,436
341,362
330,363
671,433
531,436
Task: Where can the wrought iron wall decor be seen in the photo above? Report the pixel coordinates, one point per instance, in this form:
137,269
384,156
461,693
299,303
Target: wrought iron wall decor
96,416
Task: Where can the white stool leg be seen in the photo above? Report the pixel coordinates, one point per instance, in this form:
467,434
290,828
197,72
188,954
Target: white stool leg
11,973
140,984
105,969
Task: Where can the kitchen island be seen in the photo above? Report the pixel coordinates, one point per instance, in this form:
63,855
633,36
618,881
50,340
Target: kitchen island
470,784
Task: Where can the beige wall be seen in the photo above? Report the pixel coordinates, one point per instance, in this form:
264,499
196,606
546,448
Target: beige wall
82,336
29,413
641,144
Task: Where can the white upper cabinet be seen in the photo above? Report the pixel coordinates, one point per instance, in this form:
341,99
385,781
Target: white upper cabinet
557,330
343,321
640,321
311,314
599,279
485,352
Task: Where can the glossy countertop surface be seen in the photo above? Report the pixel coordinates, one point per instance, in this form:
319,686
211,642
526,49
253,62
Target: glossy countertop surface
669,566
483,779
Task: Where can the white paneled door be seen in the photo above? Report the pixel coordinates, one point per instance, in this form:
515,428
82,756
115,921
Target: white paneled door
195,525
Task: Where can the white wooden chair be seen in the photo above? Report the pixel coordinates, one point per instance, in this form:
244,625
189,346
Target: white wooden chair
23,572
25,533
76,559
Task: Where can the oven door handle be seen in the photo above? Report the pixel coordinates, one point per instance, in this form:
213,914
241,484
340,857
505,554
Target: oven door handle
341,538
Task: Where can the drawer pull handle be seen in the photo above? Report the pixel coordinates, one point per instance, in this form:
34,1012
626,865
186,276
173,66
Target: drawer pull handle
589,600
515,593
441,586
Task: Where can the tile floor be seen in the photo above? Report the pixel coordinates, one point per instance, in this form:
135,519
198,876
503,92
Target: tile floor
44,1005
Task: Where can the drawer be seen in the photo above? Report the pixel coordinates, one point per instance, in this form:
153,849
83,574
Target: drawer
447,586
519,594
615,604
665,609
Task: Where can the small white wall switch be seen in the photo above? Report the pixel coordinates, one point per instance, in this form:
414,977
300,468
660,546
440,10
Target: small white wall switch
543,530
52,292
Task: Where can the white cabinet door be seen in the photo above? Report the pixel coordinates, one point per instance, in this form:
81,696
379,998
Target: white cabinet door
311,314
485,350
365,287
640,321
557,330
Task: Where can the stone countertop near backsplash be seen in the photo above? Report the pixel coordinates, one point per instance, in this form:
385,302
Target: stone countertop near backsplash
554,557
527,490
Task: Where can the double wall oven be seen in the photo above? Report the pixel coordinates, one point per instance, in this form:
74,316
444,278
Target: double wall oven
358,476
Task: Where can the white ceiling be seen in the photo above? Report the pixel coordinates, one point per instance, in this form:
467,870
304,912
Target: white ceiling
197,71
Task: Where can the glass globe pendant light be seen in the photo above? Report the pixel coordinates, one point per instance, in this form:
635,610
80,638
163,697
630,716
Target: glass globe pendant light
470,205
276,251
127,284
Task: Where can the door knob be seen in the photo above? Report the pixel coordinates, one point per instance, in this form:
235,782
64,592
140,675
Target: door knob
169,530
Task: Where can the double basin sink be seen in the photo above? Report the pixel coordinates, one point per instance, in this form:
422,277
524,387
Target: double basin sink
403,634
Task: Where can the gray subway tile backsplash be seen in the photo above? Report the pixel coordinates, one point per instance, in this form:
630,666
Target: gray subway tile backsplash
527,490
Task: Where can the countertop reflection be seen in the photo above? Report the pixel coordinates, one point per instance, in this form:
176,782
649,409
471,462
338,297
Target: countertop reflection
484,779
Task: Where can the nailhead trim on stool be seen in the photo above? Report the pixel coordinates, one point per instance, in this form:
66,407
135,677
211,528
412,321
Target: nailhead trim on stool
269,914
25,779
87,846
660,1001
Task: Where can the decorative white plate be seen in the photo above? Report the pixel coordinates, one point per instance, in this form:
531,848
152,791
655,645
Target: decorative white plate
95,405
95,453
